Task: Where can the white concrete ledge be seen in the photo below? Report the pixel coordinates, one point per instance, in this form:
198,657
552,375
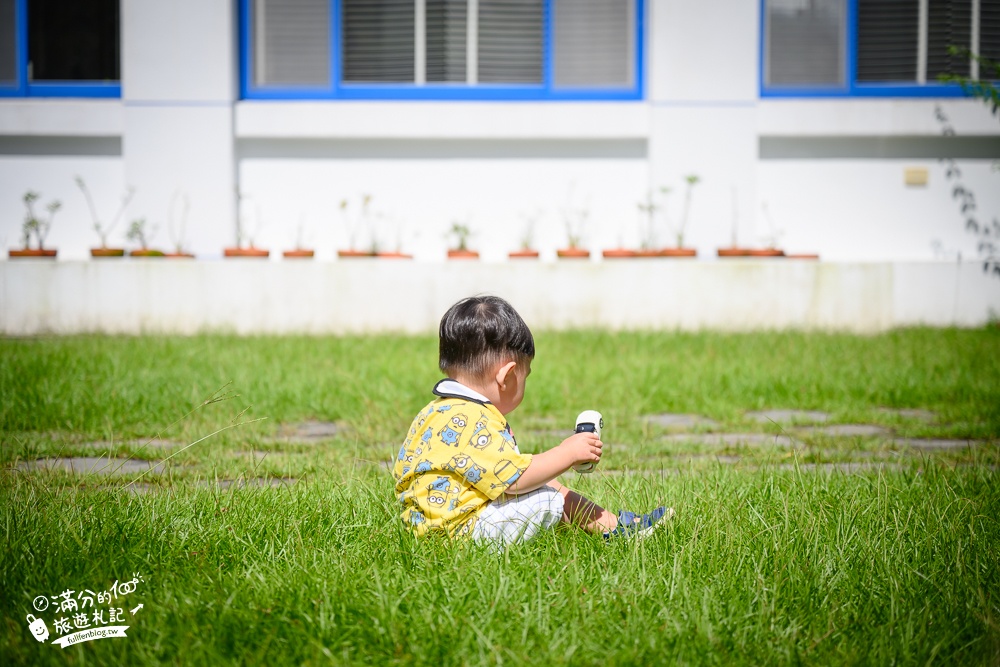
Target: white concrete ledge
779,117
442,120
61,118
248,296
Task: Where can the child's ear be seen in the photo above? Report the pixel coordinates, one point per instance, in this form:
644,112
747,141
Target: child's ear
502,373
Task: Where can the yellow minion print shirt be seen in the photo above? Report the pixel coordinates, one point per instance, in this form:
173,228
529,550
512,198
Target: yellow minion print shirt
459,454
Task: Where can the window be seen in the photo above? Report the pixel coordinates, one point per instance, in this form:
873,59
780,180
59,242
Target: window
873,47
441,49
59,49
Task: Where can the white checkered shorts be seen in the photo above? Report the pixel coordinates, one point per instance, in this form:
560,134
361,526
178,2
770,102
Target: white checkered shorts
510,518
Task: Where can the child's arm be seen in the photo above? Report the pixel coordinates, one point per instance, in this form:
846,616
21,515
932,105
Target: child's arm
544,467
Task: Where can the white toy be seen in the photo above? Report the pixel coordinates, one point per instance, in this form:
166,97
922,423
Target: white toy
589,421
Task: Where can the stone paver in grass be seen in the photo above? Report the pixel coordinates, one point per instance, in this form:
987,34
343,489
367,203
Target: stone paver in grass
789,416
144,445
307,432
672,420
729,439
259,482
910,413
845,430
93,465
934,444
691,458
844,466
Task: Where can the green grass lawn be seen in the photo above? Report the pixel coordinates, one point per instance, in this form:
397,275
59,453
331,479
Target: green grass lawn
797,546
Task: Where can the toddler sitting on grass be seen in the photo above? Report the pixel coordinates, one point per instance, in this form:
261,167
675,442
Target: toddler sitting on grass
459,470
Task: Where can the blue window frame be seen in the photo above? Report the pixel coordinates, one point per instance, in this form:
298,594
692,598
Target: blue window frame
68,50
326,74
820,47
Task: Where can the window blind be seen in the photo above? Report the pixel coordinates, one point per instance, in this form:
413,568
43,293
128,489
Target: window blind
292,42
447,29
378,41
989,30
510,38
593,43
805,42
949,23
887,40
8,42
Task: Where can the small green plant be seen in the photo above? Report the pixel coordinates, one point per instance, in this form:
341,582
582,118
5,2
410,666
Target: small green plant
139,232
981,87
773,235
460,232
691,180
575,219
530,219
647,227
176,222
354,225
103,231
576,225
35,225
246,234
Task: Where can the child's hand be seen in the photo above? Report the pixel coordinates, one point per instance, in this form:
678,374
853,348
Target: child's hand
582,447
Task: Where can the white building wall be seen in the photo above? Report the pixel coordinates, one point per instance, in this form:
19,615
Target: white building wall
178,89
830,171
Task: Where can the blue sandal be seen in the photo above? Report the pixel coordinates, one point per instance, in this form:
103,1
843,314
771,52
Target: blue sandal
638,526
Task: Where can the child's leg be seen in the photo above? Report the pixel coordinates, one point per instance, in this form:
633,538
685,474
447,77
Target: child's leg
583,512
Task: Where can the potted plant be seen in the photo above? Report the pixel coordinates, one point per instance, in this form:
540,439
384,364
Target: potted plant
246,234
397,233
176,231
647,228
37,227
104,231
770,239
137,233
354,228
526,249
576,222
461,233
299,252
679,250
734,250
646,234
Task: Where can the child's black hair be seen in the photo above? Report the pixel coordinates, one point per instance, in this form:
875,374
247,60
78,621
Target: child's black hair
479,332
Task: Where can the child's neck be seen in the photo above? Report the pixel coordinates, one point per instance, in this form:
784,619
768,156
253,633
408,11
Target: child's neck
487,389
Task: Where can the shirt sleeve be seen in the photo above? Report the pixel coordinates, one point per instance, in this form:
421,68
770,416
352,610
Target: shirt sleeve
494,460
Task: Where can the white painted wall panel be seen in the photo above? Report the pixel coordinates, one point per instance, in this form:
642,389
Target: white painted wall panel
182,50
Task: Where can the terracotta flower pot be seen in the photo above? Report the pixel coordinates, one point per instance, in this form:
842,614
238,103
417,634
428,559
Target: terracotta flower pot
733,252
178,255
573,253
42,254
678,252
647,253
107,252
391,254
766,252
145,253
346,254
298,253
523,254
246,252
463,254
617,253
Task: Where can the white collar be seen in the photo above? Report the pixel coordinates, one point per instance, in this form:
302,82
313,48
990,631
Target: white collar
449,388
